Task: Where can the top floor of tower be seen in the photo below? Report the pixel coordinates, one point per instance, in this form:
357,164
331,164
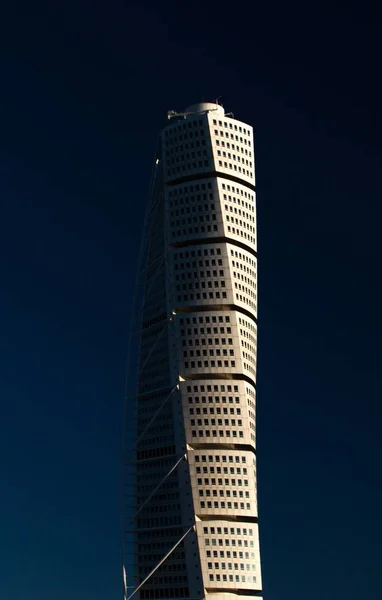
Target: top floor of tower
204,139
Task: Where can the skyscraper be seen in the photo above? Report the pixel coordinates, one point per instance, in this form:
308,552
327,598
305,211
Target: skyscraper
192,531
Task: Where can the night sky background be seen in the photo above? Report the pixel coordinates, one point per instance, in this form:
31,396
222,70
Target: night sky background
84,89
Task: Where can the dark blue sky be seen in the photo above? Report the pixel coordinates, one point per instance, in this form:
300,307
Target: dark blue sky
84,89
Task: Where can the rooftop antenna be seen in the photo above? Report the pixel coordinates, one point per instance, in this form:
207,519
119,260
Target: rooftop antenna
217,100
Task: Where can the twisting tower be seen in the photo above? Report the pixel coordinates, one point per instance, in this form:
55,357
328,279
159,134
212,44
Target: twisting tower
191,526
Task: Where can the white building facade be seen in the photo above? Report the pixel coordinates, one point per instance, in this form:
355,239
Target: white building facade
196,521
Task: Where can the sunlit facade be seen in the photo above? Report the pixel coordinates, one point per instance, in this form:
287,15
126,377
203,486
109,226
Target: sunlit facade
196,520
